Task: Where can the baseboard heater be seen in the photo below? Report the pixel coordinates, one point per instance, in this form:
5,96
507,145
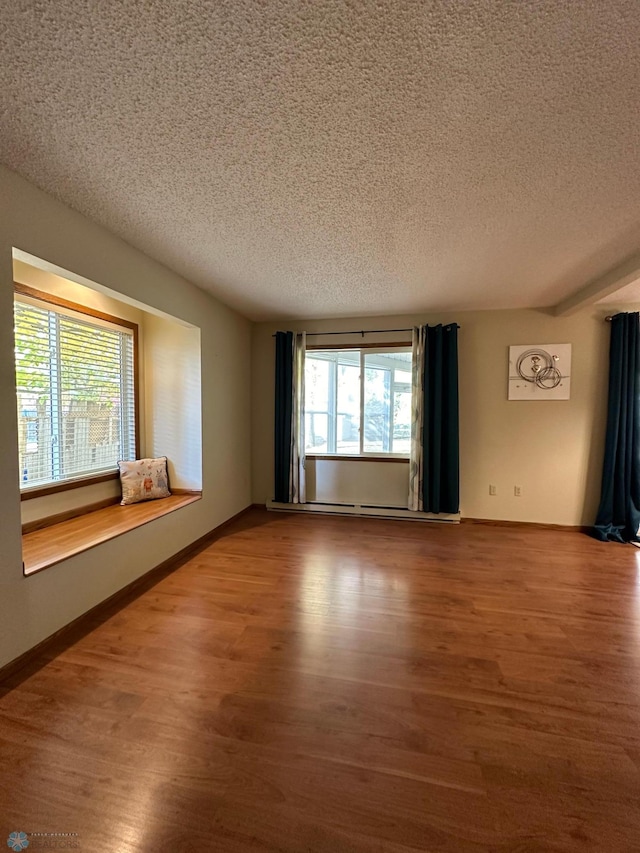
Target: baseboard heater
365,509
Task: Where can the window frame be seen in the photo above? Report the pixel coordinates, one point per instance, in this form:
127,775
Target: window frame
58,301
362,455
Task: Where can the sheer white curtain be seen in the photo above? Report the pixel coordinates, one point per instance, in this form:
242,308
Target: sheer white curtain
297,478
418,340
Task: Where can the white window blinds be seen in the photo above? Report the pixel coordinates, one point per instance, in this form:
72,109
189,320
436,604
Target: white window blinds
75,393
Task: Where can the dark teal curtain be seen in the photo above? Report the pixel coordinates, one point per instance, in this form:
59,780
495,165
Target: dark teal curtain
284,403
440,432
619,512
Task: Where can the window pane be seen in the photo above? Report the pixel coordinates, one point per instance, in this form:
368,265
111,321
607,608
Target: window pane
401,407
334,420
402,422
90,398
348,421
75,384
316,427
316,378
317,373
33,394
377,408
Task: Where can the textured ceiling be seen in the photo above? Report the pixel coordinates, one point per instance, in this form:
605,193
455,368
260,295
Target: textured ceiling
339,158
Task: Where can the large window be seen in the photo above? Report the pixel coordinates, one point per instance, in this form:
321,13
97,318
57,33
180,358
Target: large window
75,377
358,402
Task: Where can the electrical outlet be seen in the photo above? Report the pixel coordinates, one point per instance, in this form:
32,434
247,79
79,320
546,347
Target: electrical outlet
517,491
492,490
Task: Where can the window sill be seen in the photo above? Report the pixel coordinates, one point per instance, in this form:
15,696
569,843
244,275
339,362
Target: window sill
337,457
50,545
66,485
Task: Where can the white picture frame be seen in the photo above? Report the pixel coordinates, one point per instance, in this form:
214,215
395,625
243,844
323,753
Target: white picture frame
540,372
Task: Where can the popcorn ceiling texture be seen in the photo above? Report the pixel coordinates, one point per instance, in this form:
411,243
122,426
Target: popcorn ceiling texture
316,159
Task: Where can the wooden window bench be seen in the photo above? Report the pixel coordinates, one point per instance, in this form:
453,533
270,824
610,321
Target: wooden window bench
57,542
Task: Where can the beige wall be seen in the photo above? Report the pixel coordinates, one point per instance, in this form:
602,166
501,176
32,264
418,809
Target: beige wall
552,449
48,282
172,399
372,483
33,608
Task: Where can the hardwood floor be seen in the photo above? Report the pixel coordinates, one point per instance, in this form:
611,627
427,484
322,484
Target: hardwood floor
345,685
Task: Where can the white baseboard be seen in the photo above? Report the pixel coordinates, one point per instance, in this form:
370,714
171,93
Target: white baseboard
366,510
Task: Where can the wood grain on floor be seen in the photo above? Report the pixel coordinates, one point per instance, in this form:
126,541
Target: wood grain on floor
344,684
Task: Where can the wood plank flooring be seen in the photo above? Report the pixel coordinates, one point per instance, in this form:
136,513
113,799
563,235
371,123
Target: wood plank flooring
346,685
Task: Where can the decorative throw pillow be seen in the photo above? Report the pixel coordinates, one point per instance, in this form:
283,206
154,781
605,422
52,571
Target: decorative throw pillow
143,480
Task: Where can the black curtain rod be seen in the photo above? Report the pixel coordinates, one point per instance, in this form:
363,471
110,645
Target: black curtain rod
359,332
363,332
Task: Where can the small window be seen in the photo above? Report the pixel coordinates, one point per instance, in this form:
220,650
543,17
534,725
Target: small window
75,379
358,402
